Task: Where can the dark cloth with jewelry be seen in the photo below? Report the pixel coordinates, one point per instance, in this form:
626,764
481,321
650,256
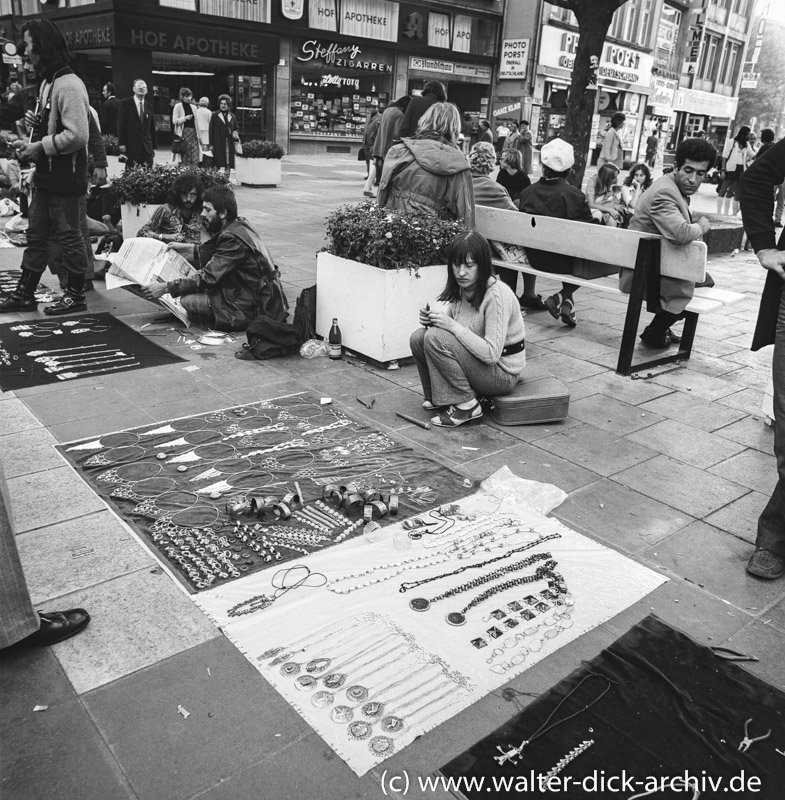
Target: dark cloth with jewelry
42,352
554,197
654,703
234,267
243,519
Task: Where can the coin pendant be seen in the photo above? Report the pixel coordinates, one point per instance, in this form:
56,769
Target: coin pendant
419,604
456,618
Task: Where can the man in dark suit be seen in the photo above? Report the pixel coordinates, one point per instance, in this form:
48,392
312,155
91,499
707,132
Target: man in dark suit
136,127
109,110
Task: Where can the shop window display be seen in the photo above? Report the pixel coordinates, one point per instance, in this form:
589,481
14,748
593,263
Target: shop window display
325,111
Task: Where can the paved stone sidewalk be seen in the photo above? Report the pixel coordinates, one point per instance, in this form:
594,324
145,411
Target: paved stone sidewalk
671,470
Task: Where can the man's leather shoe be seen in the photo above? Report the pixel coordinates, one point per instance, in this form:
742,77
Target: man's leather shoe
15,302
57,626
654,341
66,305
765,563
675,338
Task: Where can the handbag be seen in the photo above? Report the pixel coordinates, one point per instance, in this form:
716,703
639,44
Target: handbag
238,148
361,154
178,146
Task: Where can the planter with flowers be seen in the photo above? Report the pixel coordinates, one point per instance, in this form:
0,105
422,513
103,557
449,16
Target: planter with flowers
379,268
114,167
142,190
260,163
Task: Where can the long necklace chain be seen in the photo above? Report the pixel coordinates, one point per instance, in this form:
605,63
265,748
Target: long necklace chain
414,584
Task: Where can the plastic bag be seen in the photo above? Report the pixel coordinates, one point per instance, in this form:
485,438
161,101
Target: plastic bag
314,348
8,207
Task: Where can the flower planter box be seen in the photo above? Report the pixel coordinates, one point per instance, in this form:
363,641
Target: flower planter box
376,309
134,217
258,171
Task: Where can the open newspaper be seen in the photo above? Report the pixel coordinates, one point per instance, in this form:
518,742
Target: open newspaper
141,261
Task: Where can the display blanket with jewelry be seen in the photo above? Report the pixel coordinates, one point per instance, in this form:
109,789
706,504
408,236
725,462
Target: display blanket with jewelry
226,493
41,351
389,635
666,714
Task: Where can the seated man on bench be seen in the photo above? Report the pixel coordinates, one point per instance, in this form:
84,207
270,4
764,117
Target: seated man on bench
665,209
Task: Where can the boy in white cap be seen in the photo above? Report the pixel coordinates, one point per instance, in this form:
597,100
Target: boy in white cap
553,196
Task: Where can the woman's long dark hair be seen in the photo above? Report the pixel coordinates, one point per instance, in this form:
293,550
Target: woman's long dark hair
49,44
463,245
606,178
742,136
639,168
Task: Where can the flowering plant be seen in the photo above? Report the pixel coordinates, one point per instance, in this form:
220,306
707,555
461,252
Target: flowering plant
389,239
141,185
258,148
111,145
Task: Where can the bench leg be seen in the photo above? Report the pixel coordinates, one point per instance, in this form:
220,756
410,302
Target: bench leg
646,267
683,353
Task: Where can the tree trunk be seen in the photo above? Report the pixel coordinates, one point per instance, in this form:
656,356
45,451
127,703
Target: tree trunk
594,19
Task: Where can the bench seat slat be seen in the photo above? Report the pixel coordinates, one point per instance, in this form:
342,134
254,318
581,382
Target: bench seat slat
591,242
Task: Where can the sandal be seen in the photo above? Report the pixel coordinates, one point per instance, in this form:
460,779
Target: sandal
568,313
453,416
553,304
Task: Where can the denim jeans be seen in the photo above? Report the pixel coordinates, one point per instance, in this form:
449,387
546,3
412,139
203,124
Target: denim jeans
771,523
200,312
56,218
450,374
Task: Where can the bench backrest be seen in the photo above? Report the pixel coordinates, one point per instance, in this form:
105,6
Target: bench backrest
614,246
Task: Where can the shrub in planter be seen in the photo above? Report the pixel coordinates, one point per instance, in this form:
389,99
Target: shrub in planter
257,148
389,239
142,185
379,268
260,163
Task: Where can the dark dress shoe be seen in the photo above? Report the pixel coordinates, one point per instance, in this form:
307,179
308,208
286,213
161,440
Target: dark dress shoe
674,337
66,305
654,341
532,303
14,302
765,563
57,626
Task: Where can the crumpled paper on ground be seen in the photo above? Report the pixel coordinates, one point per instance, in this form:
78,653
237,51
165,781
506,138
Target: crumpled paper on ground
541,497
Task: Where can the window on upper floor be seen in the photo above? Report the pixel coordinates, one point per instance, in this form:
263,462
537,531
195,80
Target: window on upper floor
186,5
632,22
563,15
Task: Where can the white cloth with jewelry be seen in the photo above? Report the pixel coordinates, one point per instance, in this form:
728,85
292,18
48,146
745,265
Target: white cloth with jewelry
417,668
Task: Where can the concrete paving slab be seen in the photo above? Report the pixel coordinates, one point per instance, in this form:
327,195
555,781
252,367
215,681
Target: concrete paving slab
29,451
694,412
681,486
73,555
17,417
236,719
689,608
568,367
752,469
59,755
94,426
530,461
686,443
740,518
751,432
722,574
73,403
763,641
613,514
746,400
596,449
635,392
50,497
706,387
614,416
138,619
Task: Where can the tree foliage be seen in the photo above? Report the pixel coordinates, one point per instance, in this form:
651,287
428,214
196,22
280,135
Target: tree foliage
767,101
594,19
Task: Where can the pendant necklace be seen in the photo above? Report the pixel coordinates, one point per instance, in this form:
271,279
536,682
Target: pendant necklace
512,753
281,588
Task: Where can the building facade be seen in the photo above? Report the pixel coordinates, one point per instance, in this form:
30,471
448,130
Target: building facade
302,72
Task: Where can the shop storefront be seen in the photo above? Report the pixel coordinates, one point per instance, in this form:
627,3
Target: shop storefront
702,111
169,56
659,117
303,73
623,78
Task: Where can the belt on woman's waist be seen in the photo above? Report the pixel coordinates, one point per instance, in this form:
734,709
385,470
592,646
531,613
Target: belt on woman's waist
512,349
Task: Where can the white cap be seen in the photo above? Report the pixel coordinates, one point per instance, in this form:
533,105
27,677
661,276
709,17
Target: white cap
558,155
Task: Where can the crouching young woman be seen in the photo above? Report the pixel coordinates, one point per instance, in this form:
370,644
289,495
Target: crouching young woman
476,345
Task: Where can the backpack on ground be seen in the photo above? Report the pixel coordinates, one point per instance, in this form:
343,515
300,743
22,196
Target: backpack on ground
305,314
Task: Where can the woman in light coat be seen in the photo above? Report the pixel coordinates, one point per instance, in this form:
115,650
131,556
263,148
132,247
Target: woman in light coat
184,122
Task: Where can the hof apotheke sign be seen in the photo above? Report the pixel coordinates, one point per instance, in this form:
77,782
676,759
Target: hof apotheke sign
366,19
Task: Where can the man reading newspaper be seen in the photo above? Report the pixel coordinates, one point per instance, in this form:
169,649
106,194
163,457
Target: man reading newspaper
235,277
